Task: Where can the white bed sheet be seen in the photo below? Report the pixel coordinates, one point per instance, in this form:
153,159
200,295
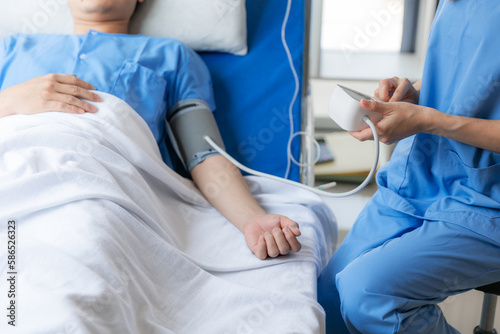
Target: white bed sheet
110,240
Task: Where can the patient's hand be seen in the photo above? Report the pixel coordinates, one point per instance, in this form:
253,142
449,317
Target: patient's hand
51,92
272,235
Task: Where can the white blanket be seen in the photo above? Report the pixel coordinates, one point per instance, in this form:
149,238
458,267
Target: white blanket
110,240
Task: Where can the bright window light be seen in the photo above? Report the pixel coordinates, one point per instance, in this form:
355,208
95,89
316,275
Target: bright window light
358,26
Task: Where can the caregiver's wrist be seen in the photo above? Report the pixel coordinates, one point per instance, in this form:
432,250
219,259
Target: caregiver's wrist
433,121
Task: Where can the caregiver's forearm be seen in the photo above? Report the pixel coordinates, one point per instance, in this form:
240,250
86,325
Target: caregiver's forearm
224,187
482,133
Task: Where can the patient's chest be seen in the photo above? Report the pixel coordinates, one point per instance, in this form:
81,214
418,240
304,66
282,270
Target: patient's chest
150,74
125,66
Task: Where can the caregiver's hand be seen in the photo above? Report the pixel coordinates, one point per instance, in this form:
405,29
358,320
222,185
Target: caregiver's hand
400,120
397,89
51,92
272,235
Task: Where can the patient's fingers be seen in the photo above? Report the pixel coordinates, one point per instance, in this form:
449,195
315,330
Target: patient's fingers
260,249
62,107
272,235
70,79
293,226
77,91
272,248
72,85
281,242
295,245
69,103
51,92
63,92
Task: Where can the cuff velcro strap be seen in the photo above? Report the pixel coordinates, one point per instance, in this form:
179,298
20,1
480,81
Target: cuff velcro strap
191,120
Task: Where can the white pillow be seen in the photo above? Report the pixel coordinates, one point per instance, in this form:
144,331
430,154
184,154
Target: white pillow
204,25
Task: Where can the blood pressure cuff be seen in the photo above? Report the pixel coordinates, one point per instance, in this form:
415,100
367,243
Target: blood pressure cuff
189,121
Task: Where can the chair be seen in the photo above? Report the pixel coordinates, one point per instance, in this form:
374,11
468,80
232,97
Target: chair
486,325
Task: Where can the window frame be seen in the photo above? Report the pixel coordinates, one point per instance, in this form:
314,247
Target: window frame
330,64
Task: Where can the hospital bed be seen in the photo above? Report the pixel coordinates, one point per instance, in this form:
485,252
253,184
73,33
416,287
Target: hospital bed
170,264
273,86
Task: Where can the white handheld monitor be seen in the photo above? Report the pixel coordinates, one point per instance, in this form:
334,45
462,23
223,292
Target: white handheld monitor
346,111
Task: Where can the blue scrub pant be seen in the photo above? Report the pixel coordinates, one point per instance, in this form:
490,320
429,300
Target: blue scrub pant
392,269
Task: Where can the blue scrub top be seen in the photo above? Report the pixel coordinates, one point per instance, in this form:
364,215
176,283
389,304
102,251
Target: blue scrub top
435,178
151,74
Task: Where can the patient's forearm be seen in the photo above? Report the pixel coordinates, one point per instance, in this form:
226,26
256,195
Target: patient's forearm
4,109
224,187
3,114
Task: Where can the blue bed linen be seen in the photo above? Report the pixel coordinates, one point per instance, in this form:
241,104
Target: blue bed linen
253,92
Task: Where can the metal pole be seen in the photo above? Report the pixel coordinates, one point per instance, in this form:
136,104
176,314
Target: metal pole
488,313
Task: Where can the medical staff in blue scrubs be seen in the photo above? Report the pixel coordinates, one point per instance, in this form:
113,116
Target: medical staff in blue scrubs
432,229
41,73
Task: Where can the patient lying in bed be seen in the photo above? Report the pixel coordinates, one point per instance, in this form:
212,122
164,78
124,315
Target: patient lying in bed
152,75
110,239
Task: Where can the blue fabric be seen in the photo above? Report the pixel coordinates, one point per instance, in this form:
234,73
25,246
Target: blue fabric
392,269
253,93
433,227
151,74
442,179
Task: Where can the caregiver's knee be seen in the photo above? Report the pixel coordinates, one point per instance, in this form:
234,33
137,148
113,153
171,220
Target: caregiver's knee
364,305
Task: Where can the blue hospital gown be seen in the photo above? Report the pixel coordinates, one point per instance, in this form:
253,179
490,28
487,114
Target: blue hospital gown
151,74
432,229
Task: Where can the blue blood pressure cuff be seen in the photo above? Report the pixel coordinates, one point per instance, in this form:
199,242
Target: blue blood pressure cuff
188,122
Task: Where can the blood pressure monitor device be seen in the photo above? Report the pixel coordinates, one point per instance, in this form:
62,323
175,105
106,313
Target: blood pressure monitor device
188,121
346,111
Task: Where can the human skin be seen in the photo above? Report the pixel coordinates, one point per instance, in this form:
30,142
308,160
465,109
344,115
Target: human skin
267,235
402,117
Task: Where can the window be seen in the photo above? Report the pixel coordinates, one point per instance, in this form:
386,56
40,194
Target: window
370,39
362,26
